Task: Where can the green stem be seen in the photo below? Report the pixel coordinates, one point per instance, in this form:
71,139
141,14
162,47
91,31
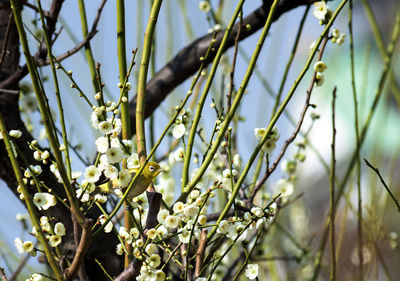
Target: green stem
28,199
289,62
45,112
122,66
200,105
57,90
142,80
88,49
381,47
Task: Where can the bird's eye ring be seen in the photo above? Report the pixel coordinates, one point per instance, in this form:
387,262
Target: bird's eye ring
151,168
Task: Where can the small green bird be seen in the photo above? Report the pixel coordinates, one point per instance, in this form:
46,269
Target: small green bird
150,172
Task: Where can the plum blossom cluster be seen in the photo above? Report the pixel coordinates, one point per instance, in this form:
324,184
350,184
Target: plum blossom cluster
111,152
285,186
53,232
337,36
238,228
273,137
225,176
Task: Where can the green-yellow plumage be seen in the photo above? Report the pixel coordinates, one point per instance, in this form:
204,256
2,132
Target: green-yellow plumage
150,172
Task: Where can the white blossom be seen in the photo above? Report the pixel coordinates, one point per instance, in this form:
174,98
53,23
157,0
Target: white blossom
320,10
59,229
178,207
105,127
251,271
284,187
124,178
133,161
154,260
151,249
171,221
190,210
162,215
257,211
108,227
179,154
178,131
92,174
55,240
110,172
15,133
320,66
223,227
27,246
134,232
184,236
44,200
18,244
204,6
114,155
120,249
102,144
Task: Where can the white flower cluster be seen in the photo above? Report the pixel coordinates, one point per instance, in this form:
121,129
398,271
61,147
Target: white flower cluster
147,251
112,151
285,186
53,235
238,229
273,137
337,36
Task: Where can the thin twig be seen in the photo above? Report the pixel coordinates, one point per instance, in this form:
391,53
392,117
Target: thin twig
332,190
200,253
20,267
235,53
357,131
395,200
23,70
4,48
296,131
